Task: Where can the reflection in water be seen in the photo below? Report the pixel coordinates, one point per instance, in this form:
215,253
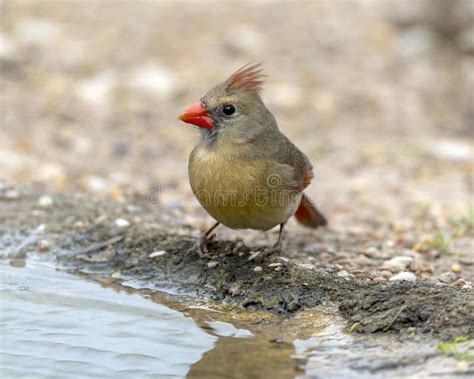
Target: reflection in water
55,325
269,353
246,358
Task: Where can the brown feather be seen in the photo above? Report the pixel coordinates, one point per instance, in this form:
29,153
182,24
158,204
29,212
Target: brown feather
308,215
246,78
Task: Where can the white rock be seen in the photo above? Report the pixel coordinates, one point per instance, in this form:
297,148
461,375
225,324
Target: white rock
397,264
257,269
285,95
122,223
249,39
96,89
467,285
414,42
408,276
12,194
225,329
82,145
45,201
343,274
153,78
453,150
7,48
253,255
277,264
212,264
37,31
50,171
97,184
157,254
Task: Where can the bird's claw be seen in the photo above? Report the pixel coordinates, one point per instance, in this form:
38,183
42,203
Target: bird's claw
200,247
267,251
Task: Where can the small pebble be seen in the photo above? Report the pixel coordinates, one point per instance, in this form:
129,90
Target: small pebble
79,224
275,264
447,277
343,274
385,274
235,290
408,276
397,264
45,201
102,257
417,265
43,245
12,195
253,255
459,283
16,262
462,367
372,252
212,264
456,268
122,223
257,269
157,254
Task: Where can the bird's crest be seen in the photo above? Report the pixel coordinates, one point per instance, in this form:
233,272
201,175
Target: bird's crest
248,77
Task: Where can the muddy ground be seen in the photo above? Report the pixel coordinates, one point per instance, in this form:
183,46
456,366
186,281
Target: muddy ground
96,238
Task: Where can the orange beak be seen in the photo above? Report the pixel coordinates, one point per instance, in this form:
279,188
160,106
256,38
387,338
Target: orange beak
197,115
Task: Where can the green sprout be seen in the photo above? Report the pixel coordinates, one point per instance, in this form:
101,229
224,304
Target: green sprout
454,349
442,242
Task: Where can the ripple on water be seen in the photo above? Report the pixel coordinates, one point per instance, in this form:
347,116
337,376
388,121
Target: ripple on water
54,325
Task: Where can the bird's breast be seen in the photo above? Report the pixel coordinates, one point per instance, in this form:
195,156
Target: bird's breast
241,192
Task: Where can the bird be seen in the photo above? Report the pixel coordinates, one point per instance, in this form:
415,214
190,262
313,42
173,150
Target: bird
244,171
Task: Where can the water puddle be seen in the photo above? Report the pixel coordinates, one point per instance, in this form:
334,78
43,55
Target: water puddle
57,325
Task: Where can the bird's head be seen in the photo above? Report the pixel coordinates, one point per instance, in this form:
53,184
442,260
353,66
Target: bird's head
233,109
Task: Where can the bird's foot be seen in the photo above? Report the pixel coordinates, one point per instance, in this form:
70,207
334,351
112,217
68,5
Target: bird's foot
200,247
268,251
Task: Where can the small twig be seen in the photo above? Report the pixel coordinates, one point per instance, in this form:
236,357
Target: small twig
30,239
395,318
100,245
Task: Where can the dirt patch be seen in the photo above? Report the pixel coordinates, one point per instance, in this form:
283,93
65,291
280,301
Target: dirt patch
85,236
440,310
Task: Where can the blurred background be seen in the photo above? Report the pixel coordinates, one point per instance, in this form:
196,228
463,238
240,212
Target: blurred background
377,93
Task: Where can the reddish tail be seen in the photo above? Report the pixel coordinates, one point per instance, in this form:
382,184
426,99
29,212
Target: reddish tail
308,215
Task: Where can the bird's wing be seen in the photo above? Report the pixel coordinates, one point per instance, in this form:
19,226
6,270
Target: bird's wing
286,153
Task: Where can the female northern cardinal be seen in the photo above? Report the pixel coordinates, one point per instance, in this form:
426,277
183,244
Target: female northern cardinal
244,171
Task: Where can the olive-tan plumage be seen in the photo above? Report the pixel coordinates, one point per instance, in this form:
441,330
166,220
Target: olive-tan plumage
244,171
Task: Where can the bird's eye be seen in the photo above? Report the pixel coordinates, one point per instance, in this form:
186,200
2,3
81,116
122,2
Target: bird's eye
228,109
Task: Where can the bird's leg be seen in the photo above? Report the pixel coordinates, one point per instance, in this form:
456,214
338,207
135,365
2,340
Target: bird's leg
200,247
279,243
276,249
